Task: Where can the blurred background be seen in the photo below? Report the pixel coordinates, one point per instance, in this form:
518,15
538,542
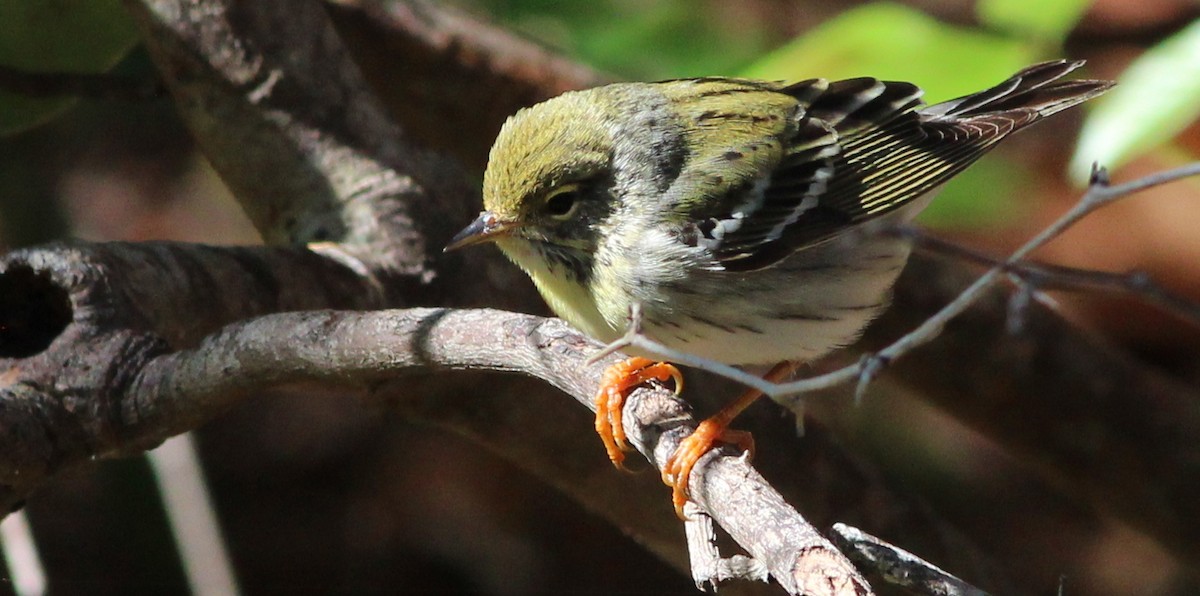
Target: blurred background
318,495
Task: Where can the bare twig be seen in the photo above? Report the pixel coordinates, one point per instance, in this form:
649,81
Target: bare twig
187,501
708,567
899,566
1031,276
28,575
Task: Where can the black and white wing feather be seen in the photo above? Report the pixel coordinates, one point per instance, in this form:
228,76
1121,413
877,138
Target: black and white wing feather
863,148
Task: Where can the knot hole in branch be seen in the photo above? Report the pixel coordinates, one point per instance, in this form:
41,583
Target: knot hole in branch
33,311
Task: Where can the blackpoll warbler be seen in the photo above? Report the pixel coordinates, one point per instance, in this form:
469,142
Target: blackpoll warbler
736,213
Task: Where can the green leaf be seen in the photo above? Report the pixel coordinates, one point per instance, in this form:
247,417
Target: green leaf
58,36
1044,21
891,41
1156,98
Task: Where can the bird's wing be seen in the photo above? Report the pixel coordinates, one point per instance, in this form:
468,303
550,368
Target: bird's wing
861,148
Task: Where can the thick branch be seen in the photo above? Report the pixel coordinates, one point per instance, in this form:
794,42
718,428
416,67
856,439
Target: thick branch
281,111
77,322
178,292
155,393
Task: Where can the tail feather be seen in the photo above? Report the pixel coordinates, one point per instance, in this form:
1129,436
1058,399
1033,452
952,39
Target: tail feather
1030,95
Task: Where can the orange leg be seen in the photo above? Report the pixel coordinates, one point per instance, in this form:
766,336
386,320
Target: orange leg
616,383
716,428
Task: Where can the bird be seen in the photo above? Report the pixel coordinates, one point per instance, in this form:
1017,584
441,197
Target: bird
741,218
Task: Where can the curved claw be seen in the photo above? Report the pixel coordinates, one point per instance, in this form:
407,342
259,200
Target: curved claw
618,380
678,471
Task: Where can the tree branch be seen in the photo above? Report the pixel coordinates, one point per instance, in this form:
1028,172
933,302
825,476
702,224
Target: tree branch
280,109
899,566
153,393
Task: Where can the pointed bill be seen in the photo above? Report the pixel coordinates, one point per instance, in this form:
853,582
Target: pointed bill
486,228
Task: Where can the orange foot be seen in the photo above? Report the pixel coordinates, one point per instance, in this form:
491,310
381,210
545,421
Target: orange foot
679,467
615,385
678,471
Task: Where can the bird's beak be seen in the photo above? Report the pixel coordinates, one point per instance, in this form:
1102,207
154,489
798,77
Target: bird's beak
486,228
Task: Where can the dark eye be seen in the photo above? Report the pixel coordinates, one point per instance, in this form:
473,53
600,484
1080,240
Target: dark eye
562,202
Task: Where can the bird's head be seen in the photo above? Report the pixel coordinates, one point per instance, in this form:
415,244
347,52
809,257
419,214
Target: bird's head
548,186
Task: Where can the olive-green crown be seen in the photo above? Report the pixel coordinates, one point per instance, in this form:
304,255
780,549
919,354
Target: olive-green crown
542,147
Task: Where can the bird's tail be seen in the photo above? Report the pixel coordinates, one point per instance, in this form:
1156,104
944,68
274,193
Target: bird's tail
1026,97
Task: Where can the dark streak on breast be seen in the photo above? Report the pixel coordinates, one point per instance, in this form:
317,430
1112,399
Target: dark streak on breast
711,323
803,316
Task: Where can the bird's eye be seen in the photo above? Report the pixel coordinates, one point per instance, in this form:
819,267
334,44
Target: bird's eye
563,201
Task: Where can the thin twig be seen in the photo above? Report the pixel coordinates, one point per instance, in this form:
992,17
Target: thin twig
1038,277
26,572
188,503
708,567
898,566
